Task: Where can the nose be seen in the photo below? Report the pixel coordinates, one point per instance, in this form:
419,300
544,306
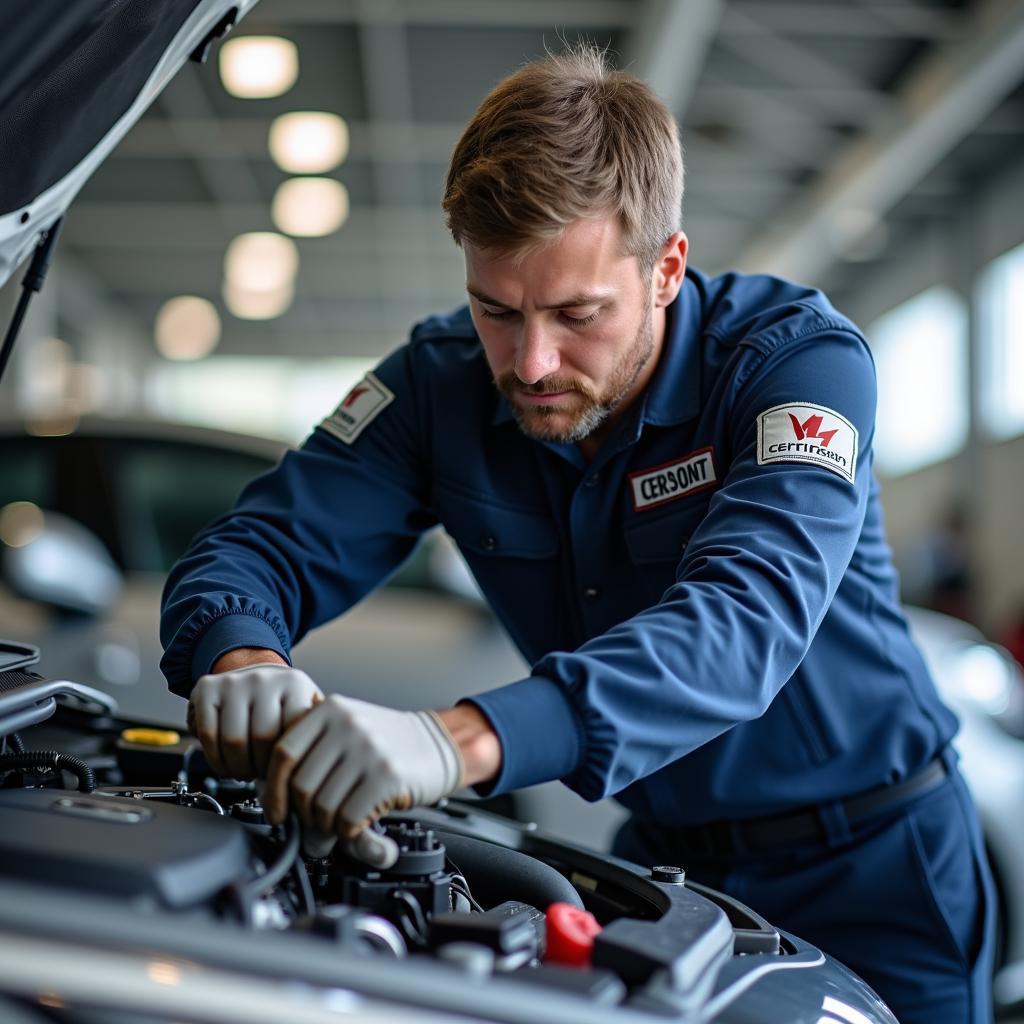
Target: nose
536,354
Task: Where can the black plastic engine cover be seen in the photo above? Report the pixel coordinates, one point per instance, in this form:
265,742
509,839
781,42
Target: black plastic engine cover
120,847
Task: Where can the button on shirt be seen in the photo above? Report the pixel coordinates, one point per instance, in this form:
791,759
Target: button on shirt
708,607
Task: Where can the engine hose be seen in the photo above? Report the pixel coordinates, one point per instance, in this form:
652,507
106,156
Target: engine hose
51,759
498,873
280,867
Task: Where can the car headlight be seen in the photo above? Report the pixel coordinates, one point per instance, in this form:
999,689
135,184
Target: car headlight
988,680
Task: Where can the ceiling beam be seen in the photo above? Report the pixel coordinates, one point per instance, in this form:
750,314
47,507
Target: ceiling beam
229,181
190,225
853,21
952,90
180,228
592,14
387,86
246,138
670,46
857,106
783,60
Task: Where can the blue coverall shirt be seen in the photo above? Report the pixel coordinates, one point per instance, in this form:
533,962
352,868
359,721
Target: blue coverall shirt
709,606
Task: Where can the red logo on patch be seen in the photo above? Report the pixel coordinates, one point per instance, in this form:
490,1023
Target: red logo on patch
811,428
356,392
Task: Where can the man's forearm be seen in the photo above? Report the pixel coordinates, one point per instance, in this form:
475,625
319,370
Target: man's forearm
242,657
477,741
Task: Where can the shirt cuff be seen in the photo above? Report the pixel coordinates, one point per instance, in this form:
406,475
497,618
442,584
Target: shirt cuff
228,633
540,734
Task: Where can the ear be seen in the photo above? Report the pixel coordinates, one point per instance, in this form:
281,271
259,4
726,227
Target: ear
669,270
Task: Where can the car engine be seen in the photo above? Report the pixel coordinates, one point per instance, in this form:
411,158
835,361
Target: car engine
95,806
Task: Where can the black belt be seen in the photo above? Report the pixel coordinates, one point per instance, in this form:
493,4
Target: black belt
721,839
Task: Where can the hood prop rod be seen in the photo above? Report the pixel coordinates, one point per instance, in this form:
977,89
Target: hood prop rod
32,282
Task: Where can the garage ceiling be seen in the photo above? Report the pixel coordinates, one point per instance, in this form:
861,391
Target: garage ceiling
818,134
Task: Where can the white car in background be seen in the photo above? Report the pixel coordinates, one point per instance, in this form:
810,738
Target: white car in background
982,683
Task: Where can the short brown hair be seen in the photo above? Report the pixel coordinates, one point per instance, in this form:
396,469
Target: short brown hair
561,139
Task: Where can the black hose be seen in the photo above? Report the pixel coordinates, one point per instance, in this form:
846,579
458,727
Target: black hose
15,741
280,867
499,874
51,759
305,887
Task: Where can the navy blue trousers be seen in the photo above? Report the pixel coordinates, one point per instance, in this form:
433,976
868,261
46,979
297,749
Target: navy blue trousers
906,900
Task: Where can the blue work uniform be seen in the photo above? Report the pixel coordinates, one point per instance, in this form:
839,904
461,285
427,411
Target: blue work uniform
708,606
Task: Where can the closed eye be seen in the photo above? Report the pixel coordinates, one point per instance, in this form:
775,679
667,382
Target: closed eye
502,314
576,322
579,321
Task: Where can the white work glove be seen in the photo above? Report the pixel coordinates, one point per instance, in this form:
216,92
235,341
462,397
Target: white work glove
347,763
239,715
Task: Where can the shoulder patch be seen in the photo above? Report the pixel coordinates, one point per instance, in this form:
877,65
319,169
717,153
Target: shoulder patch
360,407
808,433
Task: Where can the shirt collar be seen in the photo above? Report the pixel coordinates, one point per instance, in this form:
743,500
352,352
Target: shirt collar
673,396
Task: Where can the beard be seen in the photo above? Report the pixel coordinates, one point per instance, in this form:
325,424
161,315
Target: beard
584,410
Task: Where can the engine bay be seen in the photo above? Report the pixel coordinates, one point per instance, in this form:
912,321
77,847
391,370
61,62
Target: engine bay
96,807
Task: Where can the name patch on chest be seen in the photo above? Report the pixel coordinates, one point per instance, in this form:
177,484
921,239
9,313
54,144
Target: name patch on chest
358,409
673,480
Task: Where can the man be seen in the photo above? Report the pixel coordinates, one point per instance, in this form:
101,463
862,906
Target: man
662,482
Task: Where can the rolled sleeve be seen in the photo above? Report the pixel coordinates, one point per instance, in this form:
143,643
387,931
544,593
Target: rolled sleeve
540,734
229,633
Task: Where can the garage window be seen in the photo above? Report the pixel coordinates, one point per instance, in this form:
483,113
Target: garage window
920,350
1001,334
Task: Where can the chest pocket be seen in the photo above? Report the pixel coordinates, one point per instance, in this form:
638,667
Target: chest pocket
663,539
492,531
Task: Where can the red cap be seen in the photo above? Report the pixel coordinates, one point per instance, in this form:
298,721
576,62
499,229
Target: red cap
571,934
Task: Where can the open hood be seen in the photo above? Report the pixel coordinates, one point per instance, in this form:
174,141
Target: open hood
74,77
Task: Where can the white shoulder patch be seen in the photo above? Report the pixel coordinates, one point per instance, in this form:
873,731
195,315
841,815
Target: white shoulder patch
808,433
358,409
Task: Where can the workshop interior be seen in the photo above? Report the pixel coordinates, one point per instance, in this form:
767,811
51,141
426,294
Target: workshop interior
217,218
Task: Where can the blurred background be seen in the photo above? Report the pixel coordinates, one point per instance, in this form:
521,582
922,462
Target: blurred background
271,228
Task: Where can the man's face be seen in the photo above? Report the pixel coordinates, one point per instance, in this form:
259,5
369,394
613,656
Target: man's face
570,332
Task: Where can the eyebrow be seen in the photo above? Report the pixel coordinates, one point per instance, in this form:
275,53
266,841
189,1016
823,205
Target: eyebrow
576,300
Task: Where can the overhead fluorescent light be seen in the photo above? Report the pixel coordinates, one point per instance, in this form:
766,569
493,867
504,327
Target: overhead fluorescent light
261,261
187,327
310,207
308,142
258,67
258,304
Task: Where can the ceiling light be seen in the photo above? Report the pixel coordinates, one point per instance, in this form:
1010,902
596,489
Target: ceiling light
308,142
310,207
261,261
258,304
257,67
187,327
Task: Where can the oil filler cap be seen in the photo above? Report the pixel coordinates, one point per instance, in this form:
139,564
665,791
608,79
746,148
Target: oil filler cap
571,933
151,737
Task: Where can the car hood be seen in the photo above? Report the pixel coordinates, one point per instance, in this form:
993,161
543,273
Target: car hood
74,77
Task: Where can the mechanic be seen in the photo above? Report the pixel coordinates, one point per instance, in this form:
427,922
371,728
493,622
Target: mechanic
662,482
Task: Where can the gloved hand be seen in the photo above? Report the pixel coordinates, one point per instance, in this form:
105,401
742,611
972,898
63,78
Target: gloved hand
370,846
347,763
239,715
